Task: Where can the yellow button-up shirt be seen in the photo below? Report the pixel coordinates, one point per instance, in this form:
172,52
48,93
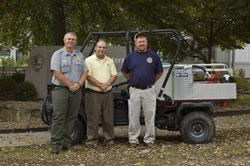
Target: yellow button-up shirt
101,71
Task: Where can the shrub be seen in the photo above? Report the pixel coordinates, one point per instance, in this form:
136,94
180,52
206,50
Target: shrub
242,83
18,77
9,61
23,61
242,100
25,91
7,86
241,72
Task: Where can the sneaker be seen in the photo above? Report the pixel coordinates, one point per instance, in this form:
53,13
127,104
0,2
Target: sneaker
133,145
54,150
69,148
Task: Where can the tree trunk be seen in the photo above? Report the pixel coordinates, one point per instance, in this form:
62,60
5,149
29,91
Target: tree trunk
209,54
58,21
210,42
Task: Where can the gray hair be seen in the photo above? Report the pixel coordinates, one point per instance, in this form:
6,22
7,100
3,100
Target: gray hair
72,33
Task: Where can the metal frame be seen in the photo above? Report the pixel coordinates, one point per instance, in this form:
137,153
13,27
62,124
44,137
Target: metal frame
129,35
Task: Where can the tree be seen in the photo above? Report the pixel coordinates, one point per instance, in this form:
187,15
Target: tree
25,24
28,23
212,23
201,23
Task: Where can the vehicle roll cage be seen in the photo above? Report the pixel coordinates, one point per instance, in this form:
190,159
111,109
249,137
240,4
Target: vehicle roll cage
129,35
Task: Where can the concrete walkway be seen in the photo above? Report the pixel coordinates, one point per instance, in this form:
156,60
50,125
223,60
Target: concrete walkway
24,139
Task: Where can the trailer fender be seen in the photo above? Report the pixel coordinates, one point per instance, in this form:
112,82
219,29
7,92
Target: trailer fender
185,108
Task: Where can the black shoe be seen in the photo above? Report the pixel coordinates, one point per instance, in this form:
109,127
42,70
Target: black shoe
69,148
54,150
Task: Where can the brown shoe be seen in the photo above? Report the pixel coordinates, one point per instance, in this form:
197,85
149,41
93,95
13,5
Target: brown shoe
89,146
54,150
69,148
133,145
150,145
110,143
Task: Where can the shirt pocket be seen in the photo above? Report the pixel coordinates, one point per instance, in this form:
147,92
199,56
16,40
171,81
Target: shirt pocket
79,66
108,68
65,67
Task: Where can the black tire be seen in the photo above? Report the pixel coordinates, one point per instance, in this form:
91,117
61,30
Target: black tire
79,132
197,128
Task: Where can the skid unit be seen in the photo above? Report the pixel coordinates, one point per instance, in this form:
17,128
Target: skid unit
198,82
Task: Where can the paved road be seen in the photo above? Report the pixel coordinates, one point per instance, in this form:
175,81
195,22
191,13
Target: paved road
24,139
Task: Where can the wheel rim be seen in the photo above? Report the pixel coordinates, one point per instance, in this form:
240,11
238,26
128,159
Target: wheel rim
198,129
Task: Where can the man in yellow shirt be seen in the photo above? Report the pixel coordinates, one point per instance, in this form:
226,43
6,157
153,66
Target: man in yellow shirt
99,99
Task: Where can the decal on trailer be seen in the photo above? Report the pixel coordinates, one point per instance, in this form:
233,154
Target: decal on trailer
181,74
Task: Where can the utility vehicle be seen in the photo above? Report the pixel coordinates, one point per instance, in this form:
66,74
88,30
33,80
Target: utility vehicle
186,94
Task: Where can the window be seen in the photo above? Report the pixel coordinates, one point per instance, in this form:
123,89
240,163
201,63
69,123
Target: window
4,52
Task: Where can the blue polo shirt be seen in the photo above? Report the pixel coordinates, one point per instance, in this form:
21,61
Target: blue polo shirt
142,68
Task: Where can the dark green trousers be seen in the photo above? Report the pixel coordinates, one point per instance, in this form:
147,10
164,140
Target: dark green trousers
65,109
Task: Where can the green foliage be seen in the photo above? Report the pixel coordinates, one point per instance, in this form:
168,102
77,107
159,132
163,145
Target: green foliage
7,86
23,61
25,91
242,100
18,77
15,88
242,83
202,24
9,61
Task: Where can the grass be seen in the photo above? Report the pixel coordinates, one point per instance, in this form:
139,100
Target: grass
242,100
242,83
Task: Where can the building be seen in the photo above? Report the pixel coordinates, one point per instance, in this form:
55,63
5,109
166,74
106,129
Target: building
11,53
235,59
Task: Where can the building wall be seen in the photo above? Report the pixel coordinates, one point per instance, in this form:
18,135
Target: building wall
242,60
236,59
243,55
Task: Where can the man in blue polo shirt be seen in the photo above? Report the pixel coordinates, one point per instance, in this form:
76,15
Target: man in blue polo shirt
142,68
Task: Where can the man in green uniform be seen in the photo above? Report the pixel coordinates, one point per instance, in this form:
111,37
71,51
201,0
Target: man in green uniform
69,73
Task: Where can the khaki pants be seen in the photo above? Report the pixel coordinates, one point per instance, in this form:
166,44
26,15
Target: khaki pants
145,99
65,109
97,104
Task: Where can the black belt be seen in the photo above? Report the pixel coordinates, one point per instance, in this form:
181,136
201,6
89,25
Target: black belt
90,90
53,85
142,87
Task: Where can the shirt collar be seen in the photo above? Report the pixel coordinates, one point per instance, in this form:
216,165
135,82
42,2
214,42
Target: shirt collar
105,58
67,54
